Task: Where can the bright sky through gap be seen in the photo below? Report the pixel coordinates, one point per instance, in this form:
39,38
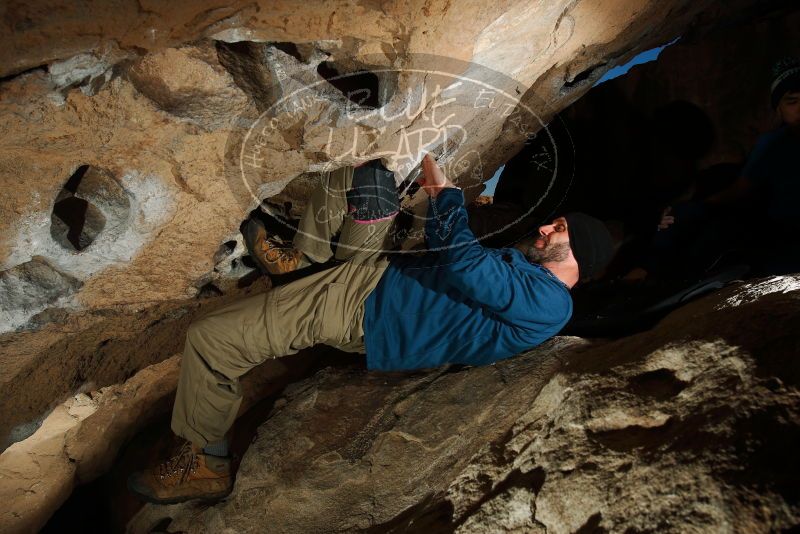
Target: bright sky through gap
491,184
644,57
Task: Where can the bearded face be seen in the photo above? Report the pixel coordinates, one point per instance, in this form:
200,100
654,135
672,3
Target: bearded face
539,249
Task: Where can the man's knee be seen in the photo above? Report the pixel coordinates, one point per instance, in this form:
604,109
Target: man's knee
222,343
373,196
202,340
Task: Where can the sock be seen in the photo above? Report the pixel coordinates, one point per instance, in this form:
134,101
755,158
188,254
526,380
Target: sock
217,448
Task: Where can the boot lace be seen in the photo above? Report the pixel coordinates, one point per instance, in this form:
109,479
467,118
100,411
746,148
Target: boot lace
183,463
278,252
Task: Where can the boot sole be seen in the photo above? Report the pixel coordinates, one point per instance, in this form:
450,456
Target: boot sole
209,497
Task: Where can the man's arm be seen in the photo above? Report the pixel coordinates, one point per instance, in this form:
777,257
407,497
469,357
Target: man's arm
483,277
486,278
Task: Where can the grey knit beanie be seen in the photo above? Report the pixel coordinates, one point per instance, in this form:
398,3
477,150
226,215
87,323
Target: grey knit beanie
785,78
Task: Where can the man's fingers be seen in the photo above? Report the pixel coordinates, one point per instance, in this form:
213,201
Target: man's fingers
427,171
666,222
666,219
431,171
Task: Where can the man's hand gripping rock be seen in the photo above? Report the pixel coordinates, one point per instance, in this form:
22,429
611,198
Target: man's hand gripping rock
433,179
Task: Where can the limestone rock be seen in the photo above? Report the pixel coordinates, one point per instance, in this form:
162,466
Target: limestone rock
189,82
29,288
80,438
692,426
94,350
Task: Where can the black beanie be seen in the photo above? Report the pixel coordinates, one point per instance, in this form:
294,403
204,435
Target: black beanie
590,242
785,78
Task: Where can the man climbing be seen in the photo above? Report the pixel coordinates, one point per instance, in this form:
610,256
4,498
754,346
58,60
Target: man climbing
457,303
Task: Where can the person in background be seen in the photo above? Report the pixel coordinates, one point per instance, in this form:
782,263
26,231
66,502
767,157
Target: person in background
767,193
756,214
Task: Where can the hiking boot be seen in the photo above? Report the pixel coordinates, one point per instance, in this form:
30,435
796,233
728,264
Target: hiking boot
188,475
272,256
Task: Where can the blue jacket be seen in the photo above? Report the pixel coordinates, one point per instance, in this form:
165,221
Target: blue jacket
460,303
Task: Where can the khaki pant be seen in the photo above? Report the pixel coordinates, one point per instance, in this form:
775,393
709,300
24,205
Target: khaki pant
326,307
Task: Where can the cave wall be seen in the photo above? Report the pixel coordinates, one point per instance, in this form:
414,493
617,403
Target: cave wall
147,106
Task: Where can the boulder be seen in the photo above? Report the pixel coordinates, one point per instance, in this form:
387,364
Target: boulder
692,426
